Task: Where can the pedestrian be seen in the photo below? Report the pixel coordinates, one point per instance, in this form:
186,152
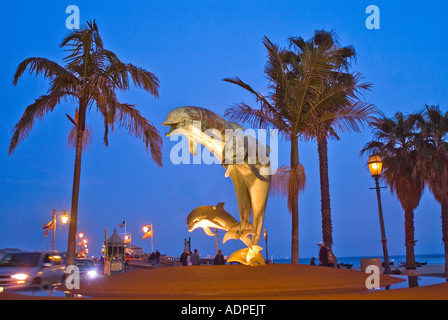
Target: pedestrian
157,257
183,257
152,258
195,259
323,254
313,261
189,259
219,259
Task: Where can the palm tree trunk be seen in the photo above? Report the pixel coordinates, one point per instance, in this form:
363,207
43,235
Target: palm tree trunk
445,234
73,228
327,228
294,200
409,238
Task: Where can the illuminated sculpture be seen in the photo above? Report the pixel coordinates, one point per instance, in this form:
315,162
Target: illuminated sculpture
250,176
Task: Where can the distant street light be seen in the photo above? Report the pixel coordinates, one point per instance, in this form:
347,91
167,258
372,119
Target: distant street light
64,219
265,234
375,164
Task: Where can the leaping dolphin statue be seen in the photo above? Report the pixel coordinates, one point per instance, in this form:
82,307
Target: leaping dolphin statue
207,217
251,185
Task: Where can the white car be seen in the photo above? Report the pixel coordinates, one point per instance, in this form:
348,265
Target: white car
24,268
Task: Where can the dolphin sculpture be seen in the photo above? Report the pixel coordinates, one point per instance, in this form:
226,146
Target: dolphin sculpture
250,183
207,217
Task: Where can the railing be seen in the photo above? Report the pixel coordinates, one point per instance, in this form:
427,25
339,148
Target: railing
169,261
174,262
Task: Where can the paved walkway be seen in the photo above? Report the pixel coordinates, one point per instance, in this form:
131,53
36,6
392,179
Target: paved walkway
279,281
235,282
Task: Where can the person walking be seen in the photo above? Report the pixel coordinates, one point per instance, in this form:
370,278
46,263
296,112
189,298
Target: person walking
157,257
152,258
195,259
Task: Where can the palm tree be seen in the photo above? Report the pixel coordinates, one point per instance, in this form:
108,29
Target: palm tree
432,145
295,95
340,109
91,75
395,144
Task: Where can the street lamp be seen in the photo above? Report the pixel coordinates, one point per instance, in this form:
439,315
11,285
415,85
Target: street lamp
265,234
375,164
64,219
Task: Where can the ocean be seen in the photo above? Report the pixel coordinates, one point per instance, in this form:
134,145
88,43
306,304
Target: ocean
431,259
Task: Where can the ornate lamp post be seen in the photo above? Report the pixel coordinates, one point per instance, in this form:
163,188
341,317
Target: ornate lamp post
376,167
64,219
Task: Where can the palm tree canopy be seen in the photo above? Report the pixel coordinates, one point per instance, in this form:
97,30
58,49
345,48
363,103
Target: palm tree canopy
308,91
432,144
91,75
290,96
339,107
395,144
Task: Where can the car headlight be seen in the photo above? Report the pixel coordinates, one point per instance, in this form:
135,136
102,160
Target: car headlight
20,277
92,274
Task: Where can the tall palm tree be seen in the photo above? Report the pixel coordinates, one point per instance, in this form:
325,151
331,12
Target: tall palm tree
432,145
91,75
340,109
394,142
295,95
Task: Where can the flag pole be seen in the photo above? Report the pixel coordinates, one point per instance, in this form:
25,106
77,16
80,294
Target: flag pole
152,238
54,228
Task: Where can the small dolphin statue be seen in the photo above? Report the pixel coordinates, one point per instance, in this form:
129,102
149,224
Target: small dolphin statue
207,217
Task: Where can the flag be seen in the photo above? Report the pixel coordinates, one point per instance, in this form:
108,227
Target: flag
147,234
47,227
122,224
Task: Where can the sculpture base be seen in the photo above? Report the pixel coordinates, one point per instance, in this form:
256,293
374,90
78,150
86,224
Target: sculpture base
248,256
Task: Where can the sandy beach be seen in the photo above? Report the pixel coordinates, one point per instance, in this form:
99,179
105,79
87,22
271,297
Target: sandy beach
236,282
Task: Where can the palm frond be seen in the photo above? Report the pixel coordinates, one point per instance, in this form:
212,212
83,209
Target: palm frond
130,118
352,118
258,118
259,97
48,68
36,110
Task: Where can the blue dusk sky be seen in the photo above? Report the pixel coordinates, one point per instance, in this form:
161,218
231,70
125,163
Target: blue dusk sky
191,46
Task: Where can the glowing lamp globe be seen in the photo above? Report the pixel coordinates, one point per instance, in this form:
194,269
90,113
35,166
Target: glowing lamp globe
64,218
375,165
